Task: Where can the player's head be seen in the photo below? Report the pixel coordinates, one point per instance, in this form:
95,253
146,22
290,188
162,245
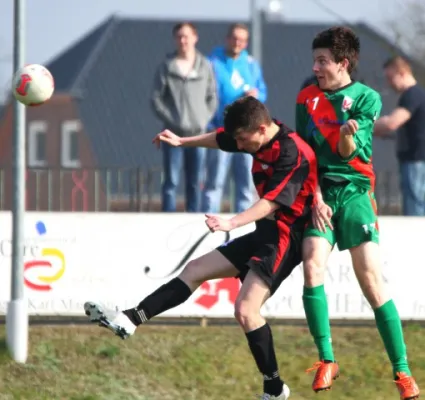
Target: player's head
186,36
249,121
237,39
398,73
336,54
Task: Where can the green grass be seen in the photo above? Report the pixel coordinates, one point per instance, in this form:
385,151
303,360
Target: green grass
185,363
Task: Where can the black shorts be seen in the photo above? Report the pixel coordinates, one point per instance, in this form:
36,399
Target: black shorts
272,251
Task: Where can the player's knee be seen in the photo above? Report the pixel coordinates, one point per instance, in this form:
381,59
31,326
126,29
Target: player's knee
314,272
245,313
192,274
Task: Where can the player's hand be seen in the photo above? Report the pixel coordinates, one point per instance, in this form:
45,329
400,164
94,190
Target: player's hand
349,128
216,223
167,137
322,216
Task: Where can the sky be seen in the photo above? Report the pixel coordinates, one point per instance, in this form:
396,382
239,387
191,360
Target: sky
53,25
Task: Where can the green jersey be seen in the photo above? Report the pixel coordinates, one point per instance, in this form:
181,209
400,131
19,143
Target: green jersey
319,116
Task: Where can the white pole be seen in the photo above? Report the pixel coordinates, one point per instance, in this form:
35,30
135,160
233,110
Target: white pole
17,310
256,27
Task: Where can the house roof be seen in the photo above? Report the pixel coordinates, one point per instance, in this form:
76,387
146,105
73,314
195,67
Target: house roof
110,72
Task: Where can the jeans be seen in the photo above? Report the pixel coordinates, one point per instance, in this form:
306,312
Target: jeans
218,165
173,158
412,180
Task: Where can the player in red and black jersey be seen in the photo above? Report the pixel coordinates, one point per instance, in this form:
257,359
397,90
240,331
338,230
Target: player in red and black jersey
285,175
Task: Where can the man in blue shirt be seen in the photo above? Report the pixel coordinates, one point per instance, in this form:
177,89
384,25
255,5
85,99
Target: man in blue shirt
237,75
408,119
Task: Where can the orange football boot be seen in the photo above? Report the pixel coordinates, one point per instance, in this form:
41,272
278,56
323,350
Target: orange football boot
406,386
325,375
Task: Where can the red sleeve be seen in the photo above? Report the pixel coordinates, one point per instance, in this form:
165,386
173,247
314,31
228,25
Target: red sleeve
225,141
289,173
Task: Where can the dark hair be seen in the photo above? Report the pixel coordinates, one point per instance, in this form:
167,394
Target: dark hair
399,63
180,25
246,114
342,42
238,25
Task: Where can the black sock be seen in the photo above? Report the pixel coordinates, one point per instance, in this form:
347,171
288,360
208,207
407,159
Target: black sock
165,297
261,344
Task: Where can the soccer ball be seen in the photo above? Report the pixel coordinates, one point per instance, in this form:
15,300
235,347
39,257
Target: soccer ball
33,85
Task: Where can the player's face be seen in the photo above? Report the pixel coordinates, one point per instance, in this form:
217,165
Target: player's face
394,78
251,142
329,73
237,41
186,39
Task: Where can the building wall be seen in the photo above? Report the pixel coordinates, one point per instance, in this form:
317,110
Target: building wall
61,173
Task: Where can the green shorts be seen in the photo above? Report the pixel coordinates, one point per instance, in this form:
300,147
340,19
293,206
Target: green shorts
354,219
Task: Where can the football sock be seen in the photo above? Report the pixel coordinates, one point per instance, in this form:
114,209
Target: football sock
391,331
164,298
260,342
316,311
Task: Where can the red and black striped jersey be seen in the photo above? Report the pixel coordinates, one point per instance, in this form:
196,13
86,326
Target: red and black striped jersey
284,171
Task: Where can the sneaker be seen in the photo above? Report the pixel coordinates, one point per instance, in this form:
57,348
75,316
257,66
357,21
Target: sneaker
116,321
406,386
283,396
325,375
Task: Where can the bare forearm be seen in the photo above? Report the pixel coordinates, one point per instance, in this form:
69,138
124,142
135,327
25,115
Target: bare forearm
346,145
259,210
204,140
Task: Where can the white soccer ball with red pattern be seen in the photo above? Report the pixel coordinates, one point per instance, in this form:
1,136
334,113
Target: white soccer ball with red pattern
33,85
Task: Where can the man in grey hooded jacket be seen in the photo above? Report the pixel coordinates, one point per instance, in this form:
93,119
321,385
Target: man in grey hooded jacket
184,98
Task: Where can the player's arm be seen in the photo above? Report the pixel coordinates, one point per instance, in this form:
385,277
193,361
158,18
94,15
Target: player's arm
280,192
208,140
281,189
407,106
301,116
358,130
217,139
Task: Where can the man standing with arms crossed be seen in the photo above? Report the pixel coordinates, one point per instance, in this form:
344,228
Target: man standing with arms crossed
336,117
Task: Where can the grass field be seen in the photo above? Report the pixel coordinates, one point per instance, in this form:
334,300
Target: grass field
184,363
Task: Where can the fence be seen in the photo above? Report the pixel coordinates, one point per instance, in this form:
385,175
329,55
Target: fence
129,189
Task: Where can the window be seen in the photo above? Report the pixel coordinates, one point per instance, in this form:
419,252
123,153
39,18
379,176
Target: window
37,151
70,151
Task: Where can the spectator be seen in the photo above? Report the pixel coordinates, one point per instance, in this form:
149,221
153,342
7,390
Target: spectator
408,119
237,75
184,98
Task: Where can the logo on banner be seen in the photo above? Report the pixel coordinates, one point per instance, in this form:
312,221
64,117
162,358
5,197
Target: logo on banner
211,292
51,259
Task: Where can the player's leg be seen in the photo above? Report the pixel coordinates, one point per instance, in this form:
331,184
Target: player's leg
193,167
210,266
244,191
316,251
172,158
253,294
217,167
271,263
361,237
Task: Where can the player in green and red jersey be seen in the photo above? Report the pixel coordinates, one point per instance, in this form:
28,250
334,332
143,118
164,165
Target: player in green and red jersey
336,117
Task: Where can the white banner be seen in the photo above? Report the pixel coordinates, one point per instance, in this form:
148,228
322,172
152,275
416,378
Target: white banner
119,259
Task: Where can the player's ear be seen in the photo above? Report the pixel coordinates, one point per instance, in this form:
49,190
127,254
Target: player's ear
345,64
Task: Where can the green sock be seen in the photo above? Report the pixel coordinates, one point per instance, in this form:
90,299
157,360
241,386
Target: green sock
391,331
316,311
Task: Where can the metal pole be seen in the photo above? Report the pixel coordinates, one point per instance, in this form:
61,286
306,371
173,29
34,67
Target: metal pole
17,312
256,27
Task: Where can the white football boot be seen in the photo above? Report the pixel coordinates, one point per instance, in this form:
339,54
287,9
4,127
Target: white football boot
283,396
116,321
